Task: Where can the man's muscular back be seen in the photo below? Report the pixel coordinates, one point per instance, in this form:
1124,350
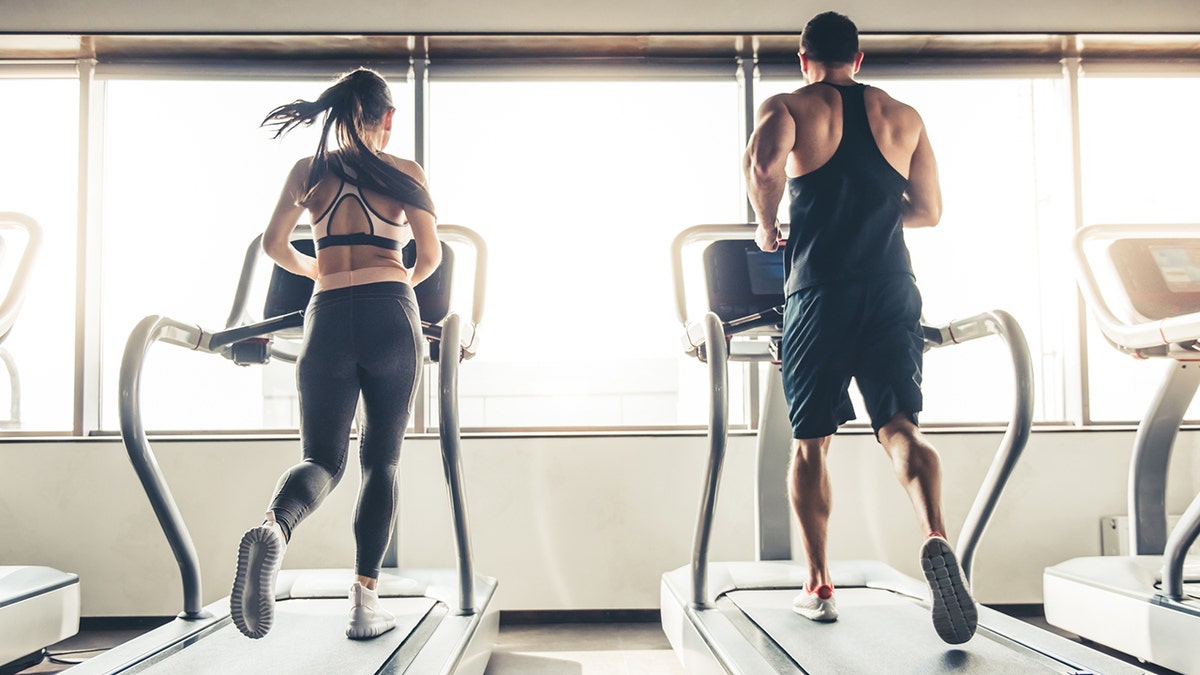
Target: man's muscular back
817,114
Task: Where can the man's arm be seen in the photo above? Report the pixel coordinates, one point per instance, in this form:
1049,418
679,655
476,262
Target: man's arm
922,205
764,166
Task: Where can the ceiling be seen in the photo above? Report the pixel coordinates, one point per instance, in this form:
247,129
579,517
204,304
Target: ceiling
771,47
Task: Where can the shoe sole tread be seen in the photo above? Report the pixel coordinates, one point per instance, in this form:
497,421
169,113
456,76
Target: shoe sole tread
955,616
259,554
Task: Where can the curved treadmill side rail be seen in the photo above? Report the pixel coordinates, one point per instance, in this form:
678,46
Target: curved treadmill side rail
10,306
14,298
155,328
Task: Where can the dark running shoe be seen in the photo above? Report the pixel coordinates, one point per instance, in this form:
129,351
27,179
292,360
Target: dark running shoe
954,613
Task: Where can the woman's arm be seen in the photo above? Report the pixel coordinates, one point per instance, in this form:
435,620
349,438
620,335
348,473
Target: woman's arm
423,224
276,240
429,249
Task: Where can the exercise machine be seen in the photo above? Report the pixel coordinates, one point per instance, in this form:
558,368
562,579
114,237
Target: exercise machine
1142,285
446,622
38,605
737,617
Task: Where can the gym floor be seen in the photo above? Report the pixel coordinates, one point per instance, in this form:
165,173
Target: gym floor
525,649
632,648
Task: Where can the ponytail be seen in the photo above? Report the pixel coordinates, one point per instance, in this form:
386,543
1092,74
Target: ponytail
357,100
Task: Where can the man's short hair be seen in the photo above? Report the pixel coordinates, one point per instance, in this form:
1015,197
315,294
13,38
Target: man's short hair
830,38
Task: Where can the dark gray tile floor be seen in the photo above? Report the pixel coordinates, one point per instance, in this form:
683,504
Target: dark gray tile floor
83,645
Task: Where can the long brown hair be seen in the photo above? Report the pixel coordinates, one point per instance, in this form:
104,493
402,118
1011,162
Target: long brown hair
358,100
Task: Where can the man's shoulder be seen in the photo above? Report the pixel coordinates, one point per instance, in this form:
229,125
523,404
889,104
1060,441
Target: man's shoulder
802,99
890,105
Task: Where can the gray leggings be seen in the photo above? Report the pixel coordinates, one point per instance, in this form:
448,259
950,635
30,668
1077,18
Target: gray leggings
358,339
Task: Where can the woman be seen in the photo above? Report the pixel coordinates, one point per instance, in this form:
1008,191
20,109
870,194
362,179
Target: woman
362,333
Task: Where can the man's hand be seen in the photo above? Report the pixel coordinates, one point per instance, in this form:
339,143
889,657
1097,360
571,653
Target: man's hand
767,236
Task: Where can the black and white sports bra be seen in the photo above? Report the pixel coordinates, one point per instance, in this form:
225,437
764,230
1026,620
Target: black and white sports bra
389,234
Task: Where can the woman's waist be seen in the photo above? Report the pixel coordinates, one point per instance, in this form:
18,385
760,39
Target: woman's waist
329,281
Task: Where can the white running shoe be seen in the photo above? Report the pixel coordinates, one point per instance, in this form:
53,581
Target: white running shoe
817,605
252,602
368,618
955,615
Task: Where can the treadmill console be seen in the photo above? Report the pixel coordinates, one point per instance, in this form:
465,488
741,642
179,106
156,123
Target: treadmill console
742,279
1160,276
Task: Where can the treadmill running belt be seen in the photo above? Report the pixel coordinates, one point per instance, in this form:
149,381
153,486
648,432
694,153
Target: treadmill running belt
309,636
880,632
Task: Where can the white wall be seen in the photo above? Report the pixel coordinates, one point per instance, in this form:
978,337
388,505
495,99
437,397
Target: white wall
564,523
612,16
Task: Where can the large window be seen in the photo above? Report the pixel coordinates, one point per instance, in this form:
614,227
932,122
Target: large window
579,188
39,150
1139,147
578,185
1003,152
189,181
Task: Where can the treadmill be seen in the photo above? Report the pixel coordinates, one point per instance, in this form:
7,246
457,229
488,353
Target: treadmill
446,622
39,605
1142,285
27,228
737,617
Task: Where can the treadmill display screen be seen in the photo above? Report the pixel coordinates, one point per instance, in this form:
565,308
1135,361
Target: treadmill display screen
766,272
1179,266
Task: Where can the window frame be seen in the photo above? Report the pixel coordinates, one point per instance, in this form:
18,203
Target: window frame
92,75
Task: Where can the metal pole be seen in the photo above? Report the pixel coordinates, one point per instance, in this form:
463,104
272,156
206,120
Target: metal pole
774,512
1181,539
747,65
14,401
448,428
1152,458
1072,67
718,430
86,407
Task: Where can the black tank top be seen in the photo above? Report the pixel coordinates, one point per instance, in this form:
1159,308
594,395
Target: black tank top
846,222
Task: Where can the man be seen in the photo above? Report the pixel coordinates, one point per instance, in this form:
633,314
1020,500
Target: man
858,167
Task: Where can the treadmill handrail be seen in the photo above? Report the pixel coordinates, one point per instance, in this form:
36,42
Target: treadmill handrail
1127,335
15,297
448,435
718,434
155,328
1016,434
149,330
471,238
274,324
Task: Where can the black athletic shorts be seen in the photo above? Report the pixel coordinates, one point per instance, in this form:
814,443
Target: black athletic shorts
869,330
